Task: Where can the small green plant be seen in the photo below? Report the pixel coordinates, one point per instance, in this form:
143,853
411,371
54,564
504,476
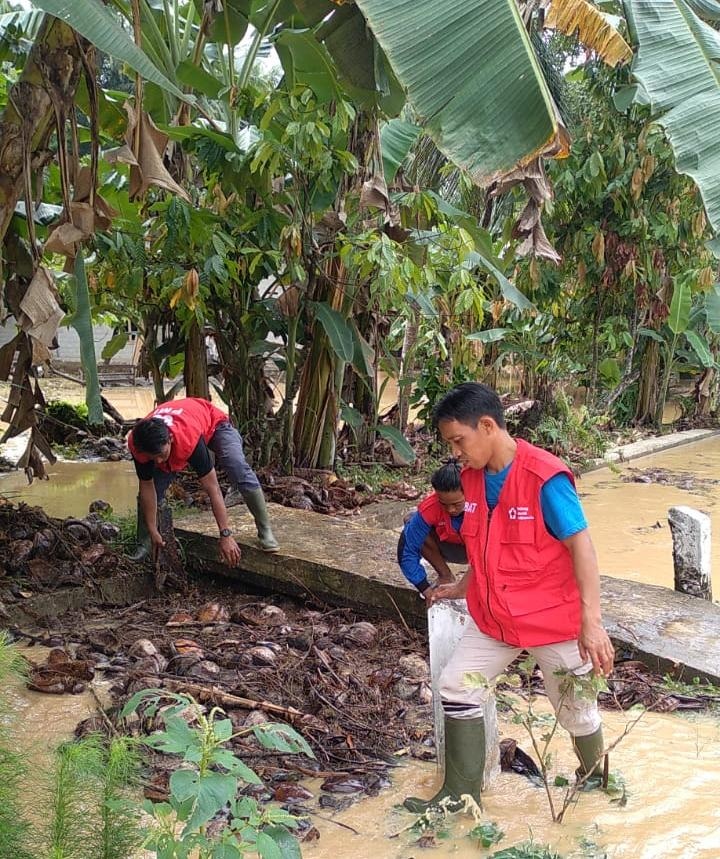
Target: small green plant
527,850
696,687
486,834
207,784
13,768
566,429
90,810
127,523
69,828
71,414
590,850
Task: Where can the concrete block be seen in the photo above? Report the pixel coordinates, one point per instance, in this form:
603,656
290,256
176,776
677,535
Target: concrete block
691,551
446,625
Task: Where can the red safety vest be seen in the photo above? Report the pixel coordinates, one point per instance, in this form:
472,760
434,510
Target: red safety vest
188,420
522,588
435,515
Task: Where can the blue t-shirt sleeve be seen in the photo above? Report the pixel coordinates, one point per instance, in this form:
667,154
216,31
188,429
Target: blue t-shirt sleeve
414,535
562,511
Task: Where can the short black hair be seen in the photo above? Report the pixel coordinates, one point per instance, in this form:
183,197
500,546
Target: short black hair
469,402
447,477
150,435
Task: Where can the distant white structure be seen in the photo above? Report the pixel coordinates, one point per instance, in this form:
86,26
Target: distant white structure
68,351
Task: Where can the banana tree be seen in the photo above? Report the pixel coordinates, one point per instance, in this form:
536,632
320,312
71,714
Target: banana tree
687,322
676,73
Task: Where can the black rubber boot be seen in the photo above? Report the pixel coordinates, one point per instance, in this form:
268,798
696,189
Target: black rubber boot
255,501
464,766
589,751
141,552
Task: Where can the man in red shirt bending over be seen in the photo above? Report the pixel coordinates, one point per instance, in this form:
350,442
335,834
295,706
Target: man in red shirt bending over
181,433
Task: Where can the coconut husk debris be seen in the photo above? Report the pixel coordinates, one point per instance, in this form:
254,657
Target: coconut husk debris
357,690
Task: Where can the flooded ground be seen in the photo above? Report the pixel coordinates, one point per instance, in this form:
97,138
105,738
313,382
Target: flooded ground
41,722
628,520
670,764
671,769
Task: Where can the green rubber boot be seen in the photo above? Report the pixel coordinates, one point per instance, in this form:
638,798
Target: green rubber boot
255,501
464,765
141,552
589,751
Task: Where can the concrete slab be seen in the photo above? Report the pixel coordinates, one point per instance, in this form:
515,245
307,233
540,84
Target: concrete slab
342,562
332,559
646,446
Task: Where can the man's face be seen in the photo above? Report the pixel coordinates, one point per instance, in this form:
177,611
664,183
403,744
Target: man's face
163,455
469,445
452,502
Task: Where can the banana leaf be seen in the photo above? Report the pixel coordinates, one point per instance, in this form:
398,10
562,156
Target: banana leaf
98,25
678,67
471,74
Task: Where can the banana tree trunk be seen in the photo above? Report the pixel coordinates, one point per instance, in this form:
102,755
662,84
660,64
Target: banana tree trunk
408,369
196,368
316,414
28,121
647,403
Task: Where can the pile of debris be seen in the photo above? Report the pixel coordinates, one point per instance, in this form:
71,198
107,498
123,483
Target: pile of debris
307,489
359,692
42,553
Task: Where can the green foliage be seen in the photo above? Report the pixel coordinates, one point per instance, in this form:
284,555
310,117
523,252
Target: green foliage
527,850
208,783
486,834
695,687
12,664
14,828
90,811
71,414
570,432
119,832
13,767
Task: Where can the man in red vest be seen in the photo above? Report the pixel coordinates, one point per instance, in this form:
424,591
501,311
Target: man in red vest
432,532
181,433
533,584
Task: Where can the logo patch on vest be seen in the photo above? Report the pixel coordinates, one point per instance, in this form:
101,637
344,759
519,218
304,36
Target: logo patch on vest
521,514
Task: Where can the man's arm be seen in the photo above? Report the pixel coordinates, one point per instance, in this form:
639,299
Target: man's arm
414,535
228,547
594,641
148,508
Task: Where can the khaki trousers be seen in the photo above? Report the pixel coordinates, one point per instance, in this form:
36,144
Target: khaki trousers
490,657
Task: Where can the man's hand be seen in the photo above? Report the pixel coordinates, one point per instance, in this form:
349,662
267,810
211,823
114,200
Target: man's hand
157,541
595,645
453,591
230,551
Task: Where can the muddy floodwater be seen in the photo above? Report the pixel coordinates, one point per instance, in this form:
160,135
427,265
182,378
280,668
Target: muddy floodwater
628,520
670,766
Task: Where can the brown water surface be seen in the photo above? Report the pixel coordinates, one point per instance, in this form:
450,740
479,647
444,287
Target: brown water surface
671,769
628,521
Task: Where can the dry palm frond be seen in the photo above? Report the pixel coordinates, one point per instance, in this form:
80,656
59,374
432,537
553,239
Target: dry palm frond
592,27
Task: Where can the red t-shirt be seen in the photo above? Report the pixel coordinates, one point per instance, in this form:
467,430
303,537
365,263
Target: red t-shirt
188,421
